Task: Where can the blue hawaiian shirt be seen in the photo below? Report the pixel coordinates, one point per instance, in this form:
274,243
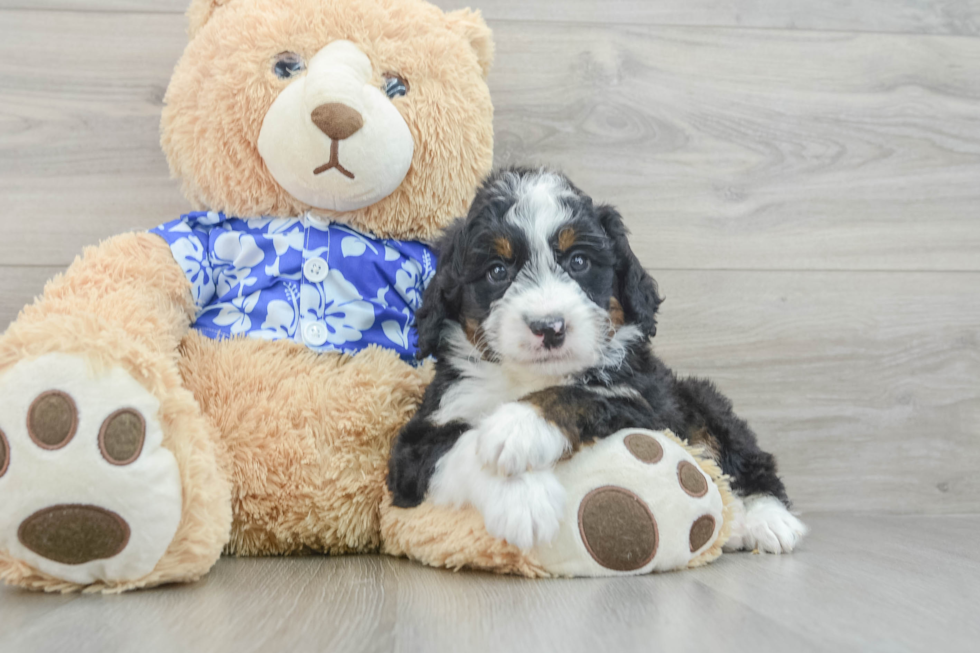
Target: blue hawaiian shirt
322,284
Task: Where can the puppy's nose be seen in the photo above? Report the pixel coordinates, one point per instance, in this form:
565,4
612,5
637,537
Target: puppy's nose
551,330
337,120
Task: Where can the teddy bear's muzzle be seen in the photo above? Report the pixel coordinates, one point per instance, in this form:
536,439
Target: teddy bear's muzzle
333,139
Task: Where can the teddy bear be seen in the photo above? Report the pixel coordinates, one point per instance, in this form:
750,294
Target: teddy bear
231,381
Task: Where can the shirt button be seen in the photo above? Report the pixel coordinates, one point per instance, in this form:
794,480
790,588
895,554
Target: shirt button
315,334
315,269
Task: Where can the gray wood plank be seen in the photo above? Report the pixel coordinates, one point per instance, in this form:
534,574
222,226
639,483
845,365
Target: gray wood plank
48,221
882,583
910,16
734,149
137,6
856,584
907,16
18,287
376,604
861,383
761,150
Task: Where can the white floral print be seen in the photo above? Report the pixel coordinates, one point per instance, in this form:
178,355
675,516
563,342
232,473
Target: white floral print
192,258
235,314
247,279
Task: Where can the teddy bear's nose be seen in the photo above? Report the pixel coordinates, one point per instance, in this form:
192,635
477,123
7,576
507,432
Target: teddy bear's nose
336,120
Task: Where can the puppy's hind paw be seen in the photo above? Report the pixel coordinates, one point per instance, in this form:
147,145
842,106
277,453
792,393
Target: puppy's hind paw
765,524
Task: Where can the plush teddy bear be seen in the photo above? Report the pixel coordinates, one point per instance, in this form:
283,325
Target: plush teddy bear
636,501
232,379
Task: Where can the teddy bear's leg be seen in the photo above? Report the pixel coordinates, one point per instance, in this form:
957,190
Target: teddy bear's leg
109,478
307,436
638,501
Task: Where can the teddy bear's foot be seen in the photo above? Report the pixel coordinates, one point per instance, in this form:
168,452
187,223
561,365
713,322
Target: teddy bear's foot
638,501
762,522
87,492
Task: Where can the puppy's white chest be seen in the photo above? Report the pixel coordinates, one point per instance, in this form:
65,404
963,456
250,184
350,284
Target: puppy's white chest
483,388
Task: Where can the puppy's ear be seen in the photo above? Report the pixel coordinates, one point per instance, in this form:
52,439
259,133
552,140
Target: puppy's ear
441,299
636,291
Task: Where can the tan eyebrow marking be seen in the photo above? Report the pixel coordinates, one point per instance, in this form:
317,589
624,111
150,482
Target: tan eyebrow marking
503,247
566,238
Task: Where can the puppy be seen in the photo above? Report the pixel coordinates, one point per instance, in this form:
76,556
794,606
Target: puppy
540,317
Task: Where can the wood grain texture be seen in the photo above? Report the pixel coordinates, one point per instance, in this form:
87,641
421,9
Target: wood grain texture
18,287
906,16
960,17
762,150
860,582
860,383
733,149
79,139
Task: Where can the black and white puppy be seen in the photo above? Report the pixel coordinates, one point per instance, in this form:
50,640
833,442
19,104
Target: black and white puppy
540,317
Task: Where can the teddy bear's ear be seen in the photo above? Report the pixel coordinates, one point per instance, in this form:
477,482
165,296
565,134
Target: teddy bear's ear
471,26
200,12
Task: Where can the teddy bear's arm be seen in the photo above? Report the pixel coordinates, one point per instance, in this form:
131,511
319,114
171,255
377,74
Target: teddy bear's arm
129,283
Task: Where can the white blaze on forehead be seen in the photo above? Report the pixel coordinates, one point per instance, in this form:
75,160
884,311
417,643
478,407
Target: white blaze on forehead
538,211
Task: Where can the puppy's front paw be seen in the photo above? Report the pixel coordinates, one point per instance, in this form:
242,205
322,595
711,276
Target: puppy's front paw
515,439
525,509
764,523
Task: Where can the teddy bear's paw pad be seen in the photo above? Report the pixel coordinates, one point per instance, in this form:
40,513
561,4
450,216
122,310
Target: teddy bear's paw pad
616,510
88,491
73,534
692,479
638,501
644,448
52,419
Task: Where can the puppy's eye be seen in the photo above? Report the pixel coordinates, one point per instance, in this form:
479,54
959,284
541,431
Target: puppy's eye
395,86
497,273
579,263
288,64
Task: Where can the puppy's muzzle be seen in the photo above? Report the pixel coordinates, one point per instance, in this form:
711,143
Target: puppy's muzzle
551,330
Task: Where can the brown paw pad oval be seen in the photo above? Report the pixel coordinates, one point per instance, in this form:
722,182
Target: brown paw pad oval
691,479
122,435
74,534
617,528
4,454
701,531
644,448
52,419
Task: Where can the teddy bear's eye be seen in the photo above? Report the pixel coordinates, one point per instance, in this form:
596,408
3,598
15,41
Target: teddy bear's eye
288,64
395,86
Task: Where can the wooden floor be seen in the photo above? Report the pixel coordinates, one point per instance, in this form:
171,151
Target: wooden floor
803,179
862,582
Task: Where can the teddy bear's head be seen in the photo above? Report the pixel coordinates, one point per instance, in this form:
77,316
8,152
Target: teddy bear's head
374,113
